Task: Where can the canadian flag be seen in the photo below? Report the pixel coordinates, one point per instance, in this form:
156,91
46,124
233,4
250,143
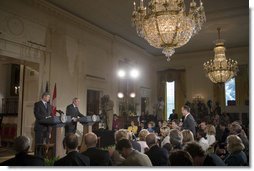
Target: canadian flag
54,102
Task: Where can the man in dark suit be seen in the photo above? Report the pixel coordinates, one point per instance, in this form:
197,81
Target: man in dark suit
73,157
158,156
21,146
97,157
73,111
42,110
188,122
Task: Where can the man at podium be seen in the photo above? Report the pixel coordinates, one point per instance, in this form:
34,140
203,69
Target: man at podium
42,110
73,111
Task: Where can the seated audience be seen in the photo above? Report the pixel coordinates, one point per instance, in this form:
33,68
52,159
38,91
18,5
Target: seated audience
225,132
202,125
164,135
142,140
150,127
158,156
235,149
175,124
117,159
201,139
132,157
21,147
180,158
97,157
73,157
115,123
187,136
158,126
141,126
133,128
210,134
176,139
200,158
143,118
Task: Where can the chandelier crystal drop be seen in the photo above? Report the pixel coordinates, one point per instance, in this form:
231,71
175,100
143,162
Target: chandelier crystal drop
165,24
220,69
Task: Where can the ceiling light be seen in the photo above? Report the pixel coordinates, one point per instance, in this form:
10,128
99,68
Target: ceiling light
220,69
121,73
120,95
132,95
134,73
166,24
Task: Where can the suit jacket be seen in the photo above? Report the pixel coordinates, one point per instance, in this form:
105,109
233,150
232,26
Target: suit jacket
190,124
40,113
98,157
137,159
73,158
23,159
158,156
73,112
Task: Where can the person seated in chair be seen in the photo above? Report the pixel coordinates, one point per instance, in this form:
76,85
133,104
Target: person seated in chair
133,128
73,157
97,157
21,146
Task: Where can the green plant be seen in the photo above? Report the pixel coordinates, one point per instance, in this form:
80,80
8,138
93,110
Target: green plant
51,161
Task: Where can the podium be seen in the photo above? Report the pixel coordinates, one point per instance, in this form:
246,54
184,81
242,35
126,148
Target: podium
87,122
57,122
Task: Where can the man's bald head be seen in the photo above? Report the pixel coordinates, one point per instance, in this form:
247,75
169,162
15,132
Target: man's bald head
151,139
90,139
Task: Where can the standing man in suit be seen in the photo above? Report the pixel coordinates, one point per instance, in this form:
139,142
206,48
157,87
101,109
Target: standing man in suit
42,110
73,111
189,121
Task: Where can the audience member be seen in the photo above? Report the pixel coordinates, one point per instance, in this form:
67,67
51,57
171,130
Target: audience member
97,157
173,115
187,136
141,126
210,134
176,139
201,139
21,147
164,135
158,156
133,128
115,123
132,157
73,157
235,149
174,124
180,158
200,158
203,125
142,140
225,132
189,121
150,127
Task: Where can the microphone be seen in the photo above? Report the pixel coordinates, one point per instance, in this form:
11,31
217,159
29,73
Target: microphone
59,111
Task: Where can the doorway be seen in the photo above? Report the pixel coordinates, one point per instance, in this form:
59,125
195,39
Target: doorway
93,102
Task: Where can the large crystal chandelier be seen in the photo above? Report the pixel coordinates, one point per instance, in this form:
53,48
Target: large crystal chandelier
166,24
220,69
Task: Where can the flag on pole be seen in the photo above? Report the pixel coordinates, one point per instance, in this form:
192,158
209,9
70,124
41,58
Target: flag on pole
54,101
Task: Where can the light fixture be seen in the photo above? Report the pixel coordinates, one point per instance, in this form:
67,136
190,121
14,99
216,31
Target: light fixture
134,73
220,69
166,24
121,73
120,95
132,95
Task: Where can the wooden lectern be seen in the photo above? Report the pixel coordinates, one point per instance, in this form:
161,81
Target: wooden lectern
87,122
57,122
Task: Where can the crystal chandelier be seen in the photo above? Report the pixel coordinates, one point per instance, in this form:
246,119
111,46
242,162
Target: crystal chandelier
220,69
166,24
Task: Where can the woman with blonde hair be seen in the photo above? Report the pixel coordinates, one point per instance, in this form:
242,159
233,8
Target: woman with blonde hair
142,139
235,149
210,134
187,136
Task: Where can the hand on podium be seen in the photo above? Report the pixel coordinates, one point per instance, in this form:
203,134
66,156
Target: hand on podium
74,119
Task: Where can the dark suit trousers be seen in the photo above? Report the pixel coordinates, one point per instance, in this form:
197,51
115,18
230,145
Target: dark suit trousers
41,137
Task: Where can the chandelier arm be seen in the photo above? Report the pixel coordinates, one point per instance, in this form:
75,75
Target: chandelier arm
175,34
157,27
